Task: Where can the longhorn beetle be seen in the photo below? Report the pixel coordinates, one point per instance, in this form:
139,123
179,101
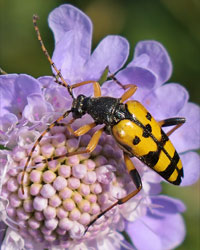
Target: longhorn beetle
137,133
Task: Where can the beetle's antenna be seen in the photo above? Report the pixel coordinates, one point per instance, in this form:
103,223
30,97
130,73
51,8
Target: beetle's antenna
58,73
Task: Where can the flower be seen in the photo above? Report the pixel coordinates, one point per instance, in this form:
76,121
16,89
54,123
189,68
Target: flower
62,196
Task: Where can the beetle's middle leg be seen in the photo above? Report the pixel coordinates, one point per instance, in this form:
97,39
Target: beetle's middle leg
177,121
137,181
90,147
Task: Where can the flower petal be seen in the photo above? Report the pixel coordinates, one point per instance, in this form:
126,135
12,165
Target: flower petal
141,77
159,60
189,134
167,205
72,31
12,241
157,233
112,51
2,231
191,166
166,101
14,90
36,108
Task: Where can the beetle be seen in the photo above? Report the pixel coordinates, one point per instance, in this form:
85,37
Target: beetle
134,129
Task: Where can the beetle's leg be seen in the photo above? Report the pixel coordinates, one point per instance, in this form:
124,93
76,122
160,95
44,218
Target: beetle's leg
84,129
90,147
124,86
178,121
131,90
137,181
117,81
38,141
96,86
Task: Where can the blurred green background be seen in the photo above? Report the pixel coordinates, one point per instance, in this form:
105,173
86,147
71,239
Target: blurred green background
175,23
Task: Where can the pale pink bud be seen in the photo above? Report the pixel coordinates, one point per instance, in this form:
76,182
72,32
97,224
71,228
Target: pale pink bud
61,213
65,193
85,219
51,224
95,209
26,178
28,206
92,198
47,191
40,203
61,151
49,212
33,223
59,183
64,171
61,231
46,231
65,224
15,201
104,174
96,188
84,189
75,214
36,176
72,144
84,206
77,231
79,171
11,211
73,183
22,215
55,201
35,189
48,176
24,195
47,150
73,160
53,165
18,154
50,238
100,160
77,197
69,204
90,164
90,177
39,216
59,140
12,184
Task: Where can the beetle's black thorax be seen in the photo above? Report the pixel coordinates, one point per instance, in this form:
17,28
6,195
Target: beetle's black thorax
104,110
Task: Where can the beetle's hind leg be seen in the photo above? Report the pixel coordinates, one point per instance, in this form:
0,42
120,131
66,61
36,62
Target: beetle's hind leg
176,121
137,181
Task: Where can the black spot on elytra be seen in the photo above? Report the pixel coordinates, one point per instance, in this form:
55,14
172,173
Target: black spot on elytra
136,140
148,116
147,131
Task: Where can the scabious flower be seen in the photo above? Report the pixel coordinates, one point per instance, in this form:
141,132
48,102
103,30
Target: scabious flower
62,196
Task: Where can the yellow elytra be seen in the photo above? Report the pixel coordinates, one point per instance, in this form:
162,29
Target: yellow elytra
141,136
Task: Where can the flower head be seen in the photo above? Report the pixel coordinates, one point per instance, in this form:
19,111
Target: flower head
62,196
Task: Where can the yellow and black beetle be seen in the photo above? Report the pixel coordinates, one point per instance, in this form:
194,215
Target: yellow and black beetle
135,130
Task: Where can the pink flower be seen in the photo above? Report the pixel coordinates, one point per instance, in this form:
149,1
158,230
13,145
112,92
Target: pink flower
62,196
